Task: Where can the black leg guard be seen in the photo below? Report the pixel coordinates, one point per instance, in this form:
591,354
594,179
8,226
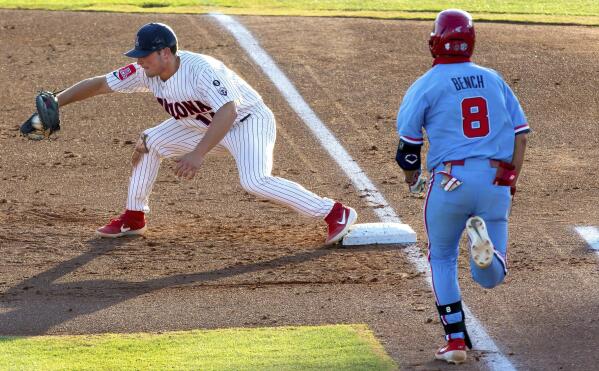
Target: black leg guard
451,328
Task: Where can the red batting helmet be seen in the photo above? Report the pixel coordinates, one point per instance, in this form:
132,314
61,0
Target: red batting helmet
453,34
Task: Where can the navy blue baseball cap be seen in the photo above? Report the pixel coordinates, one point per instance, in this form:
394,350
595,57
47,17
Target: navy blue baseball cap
152,37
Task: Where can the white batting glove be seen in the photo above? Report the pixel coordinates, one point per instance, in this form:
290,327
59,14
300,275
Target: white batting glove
418,186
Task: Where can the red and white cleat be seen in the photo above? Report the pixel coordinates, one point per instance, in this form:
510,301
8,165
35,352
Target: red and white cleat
454,352
128,223
339,220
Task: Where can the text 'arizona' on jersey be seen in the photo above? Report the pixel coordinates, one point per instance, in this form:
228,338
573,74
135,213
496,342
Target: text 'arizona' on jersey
468,111
201,85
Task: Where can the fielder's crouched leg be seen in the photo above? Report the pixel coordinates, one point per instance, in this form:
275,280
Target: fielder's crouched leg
339,218
169,139
252,144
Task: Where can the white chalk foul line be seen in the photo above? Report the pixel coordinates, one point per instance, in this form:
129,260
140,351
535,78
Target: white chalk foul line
590,234
494,359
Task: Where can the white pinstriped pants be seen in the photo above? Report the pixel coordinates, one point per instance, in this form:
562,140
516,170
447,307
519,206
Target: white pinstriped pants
251,143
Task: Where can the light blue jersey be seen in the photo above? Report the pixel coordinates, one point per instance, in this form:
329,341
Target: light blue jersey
468,111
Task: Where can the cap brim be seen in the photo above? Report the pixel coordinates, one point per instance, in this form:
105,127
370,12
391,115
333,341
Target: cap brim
136,53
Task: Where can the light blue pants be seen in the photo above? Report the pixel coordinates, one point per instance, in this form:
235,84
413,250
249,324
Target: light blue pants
445,215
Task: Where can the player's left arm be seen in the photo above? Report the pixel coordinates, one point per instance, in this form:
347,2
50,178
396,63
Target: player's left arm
519,150
223,120
521,130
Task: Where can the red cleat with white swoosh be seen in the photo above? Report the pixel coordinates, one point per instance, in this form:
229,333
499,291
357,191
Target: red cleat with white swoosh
454,352
129,223
339,220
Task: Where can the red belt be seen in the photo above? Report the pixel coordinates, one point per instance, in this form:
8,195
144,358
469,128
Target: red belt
493,163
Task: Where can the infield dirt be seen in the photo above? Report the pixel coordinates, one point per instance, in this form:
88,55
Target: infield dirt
217,257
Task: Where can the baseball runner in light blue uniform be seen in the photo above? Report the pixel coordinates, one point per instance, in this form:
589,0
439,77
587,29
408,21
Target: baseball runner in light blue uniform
476,129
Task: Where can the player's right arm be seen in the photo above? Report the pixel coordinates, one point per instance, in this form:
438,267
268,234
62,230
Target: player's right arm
84,89
128,79
410,120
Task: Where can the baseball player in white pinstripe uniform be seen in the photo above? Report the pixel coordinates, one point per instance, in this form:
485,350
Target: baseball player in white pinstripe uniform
211,109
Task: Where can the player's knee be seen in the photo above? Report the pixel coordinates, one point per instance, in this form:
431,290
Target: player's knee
149,141
156,146
256,185
489,281
489,284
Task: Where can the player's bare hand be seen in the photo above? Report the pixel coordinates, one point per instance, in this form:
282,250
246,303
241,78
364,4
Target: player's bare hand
188,165
140,149
411,176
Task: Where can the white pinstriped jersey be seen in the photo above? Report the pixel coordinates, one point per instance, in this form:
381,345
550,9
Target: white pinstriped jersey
201,85
191,96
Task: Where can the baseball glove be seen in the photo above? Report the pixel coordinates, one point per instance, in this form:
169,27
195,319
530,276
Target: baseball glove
46,120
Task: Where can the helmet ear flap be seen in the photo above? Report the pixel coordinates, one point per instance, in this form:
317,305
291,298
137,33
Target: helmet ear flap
432,44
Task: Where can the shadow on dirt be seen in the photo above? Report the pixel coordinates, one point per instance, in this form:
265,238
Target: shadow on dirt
39,303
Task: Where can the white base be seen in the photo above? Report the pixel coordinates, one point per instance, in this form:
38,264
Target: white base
379,233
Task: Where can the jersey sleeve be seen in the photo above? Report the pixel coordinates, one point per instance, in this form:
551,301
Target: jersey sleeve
410,118
515,111
128,79
217,88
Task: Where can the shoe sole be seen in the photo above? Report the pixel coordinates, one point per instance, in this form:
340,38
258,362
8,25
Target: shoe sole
128,233
481,247
351,219
454,356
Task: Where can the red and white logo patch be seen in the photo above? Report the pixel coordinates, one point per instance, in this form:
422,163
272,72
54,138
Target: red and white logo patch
125,72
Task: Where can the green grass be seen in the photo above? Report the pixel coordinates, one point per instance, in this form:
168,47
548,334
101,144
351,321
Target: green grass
334,347
540,11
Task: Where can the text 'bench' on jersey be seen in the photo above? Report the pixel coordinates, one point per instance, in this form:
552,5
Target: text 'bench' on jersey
467,111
